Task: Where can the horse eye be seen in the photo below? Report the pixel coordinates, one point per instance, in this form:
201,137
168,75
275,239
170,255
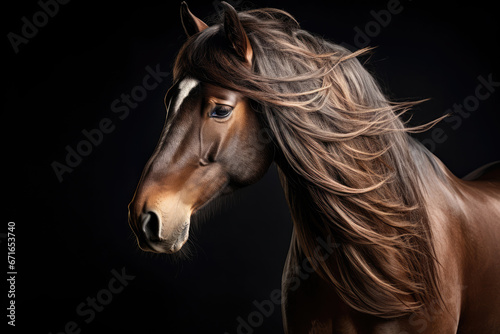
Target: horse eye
220,111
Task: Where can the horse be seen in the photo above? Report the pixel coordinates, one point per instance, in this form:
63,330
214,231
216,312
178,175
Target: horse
410,248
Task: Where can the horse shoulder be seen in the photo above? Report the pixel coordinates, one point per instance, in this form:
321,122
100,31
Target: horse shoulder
481,305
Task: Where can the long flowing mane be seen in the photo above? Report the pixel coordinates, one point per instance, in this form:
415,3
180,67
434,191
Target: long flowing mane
345,157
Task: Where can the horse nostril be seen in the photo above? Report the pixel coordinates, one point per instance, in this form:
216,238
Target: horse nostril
151,226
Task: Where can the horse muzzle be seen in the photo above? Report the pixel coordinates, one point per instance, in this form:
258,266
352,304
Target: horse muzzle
157,231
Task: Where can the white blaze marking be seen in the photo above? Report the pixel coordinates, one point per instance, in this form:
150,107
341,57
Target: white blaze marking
185,87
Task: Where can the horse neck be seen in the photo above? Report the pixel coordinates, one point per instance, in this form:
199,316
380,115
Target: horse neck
436,181
430,177
444,201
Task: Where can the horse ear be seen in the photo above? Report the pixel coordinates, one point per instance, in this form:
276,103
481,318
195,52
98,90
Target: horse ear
236,34
191,23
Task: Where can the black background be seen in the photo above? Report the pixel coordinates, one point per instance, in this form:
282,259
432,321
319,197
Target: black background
70,235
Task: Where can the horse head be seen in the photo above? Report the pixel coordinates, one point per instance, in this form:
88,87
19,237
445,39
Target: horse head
209,146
